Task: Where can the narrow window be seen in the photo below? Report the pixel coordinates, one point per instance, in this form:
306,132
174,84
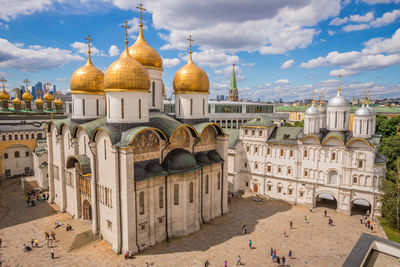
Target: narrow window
256,166
16,154
289,171
246,132
291,153
333,156
140,108
260,133
105,149
245,164
305,153
191,192
161,197
354,180
268,168
153,94
191,106
360,164
33,136
204,107
16,137
83,107
268,151
27,136
84,144
27,154
141,202
108,108
6,156
176,194
207,181
179,106
97,107
281,152
39,136
219,181
22,137
247,148
255,150
305,173
290,192
122,109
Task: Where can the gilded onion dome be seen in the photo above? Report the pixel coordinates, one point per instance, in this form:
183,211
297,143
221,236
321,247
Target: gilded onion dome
27,96
87,79
58,102
4,96
145,54
39,101
48,97
191,79
126,74
16,101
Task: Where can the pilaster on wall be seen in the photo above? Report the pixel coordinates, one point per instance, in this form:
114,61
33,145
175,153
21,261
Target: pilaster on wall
222,149
127,200
63,205
117,199
50,167
93,183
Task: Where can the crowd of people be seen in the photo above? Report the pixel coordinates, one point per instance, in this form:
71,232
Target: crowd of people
37,195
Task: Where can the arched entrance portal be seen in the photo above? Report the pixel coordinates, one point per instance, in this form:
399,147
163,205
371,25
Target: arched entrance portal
86,210
255,188
325,200
360,207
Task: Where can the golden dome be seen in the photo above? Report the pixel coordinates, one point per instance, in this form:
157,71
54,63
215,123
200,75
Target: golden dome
48,97
27,96
16,101
145,54
126,74
58,102
4,96
87,80
191,79
39,101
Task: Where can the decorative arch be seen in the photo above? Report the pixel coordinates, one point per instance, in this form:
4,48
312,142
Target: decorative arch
310,136
333,137
358,139
327,193
145,140
333,176
84,164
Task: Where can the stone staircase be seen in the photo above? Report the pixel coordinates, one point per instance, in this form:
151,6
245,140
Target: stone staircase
80,235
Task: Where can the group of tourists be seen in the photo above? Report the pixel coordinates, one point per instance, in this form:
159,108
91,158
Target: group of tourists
35,195
367,222
128,255
278,259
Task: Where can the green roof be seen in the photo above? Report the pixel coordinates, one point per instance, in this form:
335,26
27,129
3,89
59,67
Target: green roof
378,109
233,81
262,120
84,162
164,122
233,137
285,135
290,108
89,127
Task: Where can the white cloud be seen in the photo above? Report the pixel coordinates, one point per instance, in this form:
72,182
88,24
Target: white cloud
378,53
352,27
11,9
82,48
331,32
228,70
338,21
113,51
386,18
271,27
287,64
170,62
372,2
362,18
282,81
212,58
61,79
33,58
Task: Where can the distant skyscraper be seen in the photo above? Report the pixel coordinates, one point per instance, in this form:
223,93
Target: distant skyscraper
233,91
54,88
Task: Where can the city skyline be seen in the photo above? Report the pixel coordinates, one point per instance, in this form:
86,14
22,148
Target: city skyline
281,50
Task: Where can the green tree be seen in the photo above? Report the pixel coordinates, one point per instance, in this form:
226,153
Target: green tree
390,148
288,124
387,127
391,197
299,123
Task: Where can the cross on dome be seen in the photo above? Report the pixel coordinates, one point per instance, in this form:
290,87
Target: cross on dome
141,9
125,25
3,81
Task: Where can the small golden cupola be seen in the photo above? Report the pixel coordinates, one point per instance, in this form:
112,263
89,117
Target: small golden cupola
4,96
191,78
142,51
27,96
126,73
16,101
39,101
87,79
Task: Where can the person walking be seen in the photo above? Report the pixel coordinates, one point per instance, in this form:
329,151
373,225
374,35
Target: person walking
1,241
206,263
275,252
290,255
250,243
32,242
53,235
278,260
52,254
369,224
305,219
283,260
325,212
238,261
225,263
271,251
284,232
361,219
291,224
311,209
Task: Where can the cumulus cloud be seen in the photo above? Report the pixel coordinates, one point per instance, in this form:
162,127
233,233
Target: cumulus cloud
33,58
287,64
61,79
212,58
372,2
352,27
339,21
82,48
270,27
378,53
113,51
11,9
386,18
170,62
282,81
362,18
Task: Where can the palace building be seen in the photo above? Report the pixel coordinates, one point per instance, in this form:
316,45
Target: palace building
322,162
141,176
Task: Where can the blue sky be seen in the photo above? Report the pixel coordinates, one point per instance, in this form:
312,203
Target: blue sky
282,49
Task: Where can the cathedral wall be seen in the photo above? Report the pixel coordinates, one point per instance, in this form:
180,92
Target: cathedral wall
196,110
129,111
85,106
156,100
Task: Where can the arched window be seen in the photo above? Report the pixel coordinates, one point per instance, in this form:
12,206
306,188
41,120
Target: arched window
22,137
305,153
191,192
219,181
176,194
27,136
32,136
161,197
39,136
333,156
9,137
355,181
5,155
141,202
305,173
191,106
122,108
16,154
3,137
207,181
27,154
16,137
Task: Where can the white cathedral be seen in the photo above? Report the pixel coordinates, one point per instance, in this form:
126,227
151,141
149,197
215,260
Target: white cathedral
323,160
141,176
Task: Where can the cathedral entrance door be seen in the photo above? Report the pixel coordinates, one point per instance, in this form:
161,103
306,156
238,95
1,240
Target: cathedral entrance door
87,210
255,188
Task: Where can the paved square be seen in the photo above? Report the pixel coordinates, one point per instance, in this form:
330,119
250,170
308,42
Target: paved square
313,244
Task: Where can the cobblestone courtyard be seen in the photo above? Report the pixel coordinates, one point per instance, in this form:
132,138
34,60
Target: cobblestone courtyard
313,244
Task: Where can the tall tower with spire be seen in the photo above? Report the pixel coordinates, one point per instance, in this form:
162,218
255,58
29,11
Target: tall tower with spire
233,90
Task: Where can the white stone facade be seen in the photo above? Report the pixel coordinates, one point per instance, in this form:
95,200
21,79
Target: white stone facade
88,106
191,106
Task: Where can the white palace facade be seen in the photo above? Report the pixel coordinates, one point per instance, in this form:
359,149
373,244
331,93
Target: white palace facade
305,165
139,175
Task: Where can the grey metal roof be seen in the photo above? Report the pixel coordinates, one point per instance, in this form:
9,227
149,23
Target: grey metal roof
19,127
